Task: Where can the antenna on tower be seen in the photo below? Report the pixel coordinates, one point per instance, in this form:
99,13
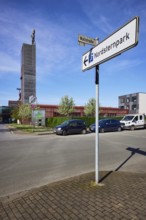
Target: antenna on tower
33,37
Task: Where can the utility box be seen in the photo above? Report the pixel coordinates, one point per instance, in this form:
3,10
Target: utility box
38,117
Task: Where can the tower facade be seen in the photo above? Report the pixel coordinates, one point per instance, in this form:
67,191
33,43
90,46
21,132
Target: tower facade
28,72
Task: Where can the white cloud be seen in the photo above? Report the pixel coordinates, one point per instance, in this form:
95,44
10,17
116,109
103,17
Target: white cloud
52,42
8,64
128,63
96,17
104,24
122,66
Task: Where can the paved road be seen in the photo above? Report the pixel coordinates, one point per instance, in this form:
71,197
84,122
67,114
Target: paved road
126,149
28,161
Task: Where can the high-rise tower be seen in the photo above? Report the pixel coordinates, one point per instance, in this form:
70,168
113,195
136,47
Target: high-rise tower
28,70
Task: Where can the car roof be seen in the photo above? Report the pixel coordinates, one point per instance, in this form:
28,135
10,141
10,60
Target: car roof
107,119
74,120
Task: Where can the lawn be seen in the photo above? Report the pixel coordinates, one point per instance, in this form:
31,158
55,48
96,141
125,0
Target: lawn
29,128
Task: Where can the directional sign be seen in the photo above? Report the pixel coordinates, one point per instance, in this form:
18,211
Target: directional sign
86,40
32,99
118,42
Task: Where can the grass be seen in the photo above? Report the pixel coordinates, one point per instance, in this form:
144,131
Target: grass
30,128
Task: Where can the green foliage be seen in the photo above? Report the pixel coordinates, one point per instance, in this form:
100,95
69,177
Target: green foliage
66,106
15,113
24,111
113,117
90,107
54,121
88,120
28,128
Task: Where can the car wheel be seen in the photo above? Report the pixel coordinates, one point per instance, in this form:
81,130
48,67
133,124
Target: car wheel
64,133
84,131
102,130
119,129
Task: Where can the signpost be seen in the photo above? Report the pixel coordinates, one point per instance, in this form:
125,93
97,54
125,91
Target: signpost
32,99
118,42
121,40
82,40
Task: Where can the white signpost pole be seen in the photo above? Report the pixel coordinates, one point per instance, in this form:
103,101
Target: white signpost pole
123,39
96,126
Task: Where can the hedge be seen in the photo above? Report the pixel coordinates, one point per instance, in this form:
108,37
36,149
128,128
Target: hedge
54,121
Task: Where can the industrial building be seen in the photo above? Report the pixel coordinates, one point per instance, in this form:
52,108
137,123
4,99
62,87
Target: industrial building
52,111
135,102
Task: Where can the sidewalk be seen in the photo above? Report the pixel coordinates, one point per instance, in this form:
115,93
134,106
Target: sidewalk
119,196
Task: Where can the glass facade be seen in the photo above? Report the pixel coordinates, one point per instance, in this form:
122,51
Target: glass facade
5,114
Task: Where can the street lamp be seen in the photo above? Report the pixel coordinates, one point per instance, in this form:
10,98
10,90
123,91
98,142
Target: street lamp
19,89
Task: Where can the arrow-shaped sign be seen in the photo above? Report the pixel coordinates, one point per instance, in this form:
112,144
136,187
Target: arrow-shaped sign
85,61
121,40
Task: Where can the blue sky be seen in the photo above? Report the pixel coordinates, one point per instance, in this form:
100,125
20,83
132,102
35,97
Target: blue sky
58,55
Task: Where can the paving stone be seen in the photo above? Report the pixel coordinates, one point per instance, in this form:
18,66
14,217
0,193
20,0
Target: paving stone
122,196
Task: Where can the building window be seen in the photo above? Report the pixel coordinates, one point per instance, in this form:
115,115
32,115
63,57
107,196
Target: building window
134,99
134,107
127,99
122,100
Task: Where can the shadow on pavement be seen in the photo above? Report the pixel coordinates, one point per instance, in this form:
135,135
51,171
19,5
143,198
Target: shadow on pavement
137,150
133,151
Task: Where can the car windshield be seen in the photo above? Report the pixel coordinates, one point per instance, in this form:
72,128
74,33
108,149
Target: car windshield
65,123
101,122
128,118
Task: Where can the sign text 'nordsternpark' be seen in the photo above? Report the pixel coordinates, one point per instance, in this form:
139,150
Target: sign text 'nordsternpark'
118,42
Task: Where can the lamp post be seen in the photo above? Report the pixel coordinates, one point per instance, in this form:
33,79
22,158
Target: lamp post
19,90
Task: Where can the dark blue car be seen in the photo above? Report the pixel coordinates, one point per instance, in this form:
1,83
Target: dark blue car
74,126
107,125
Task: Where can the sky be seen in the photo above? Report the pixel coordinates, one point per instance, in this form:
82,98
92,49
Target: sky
57,24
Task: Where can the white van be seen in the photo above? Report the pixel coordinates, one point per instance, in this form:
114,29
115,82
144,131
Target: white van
133,121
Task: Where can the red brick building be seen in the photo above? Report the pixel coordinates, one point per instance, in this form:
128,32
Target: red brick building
109,111
52,111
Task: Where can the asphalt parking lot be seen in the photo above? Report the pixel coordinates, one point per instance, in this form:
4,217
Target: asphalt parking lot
120,194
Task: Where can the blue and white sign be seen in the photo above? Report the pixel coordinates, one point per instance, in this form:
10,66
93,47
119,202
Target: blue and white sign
118,42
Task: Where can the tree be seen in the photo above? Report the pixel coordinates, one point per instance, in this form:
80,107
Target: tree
90,107
66,106
14,114
24,112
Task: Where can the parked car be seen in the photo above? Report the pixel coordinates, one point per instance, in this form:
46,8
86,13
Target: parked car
73,126
92,127
107,125
133,121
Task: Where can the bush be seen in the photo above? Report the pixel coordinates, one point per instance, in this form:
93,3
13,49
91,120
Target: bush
54,121
88,120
